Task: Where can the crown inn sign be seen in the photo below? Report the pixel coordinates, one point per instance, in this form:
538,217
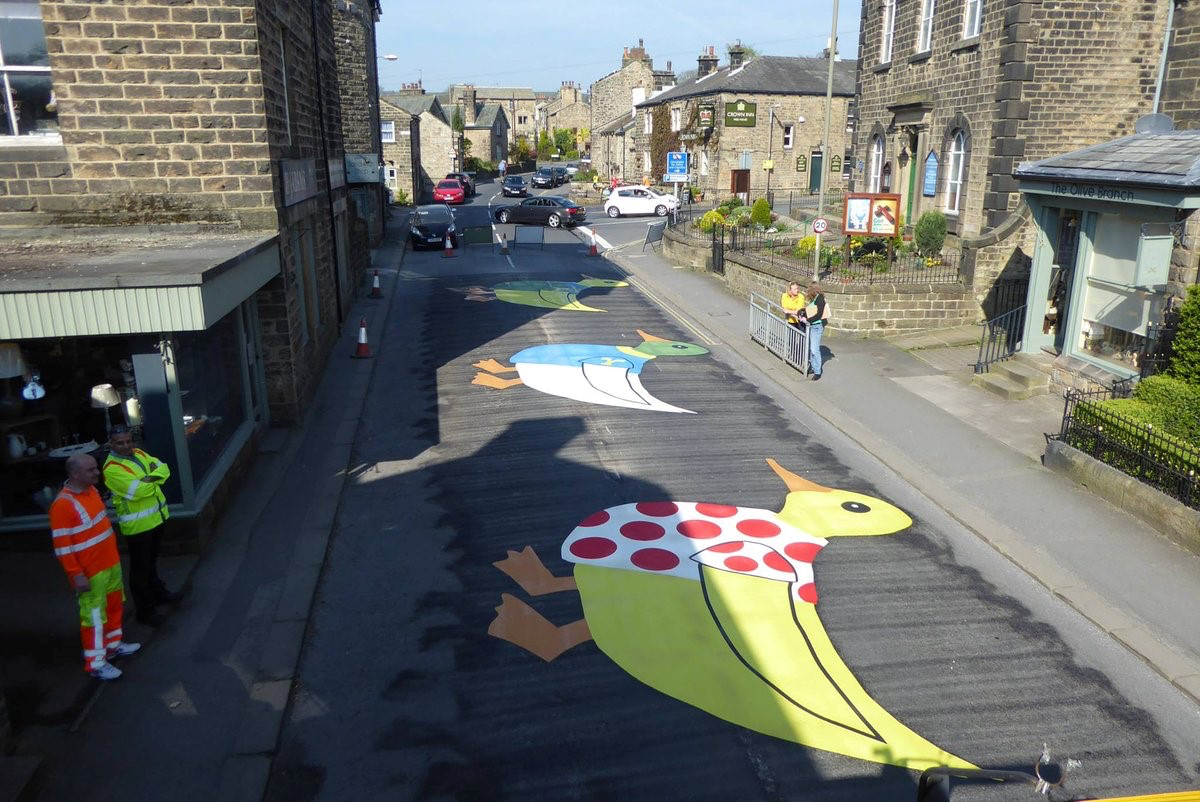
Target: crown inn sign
741,114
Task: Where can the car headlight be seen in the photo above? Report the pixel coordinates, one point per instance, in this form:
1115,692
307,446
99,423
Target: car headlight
450,230
414,230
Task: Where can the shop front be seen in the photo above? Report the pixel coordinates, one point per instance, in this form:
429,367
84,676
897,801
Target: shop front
1109,219
165,341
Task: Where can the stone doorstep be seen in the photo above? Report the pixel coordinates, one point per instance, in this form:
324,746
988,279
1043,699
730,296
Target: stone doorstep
1025,375
1002,386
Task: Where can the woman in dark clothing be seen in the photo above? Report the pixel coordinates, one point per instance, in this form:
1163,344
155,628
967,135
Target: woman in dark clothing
817,315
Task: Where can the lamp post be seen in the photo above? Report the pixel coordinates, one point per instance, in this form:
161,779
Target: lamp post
825,139
771,148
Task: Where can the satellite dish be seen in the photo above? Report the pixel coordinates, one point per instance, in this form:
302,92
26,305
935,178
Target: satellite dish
1154,124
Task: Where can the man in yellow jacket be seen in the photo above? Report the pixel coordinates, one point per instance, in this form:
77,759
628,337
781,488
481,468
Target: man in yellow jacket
135,480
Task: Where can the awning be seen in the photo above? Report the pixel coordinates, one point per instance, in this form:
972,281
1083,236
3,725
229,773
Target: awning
80,284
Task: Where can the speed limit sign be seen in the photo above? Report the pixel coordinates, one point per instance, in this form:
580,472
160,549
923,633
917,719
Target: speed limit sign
820,225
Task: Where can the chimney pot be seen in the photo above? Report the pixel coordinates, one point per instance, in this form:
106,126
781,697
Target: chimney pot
640,43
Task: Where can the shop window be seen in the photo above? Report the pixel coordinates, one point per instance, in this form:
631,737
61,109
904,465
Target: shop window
213,390
789,136
27,100
875,176
889,24
387,130
972,18
925,32
956,170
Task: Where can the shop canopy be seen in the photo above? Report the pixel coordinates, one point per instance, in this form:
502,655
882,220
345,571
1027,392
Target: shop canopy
85,283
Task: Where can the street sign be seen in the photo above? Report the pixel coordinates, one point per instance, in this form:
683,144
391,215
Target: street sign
768,164
675,178
820,225
677,165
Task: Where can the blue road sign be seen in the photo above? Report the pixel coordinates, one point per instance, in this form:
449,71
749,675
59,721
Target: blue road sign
677,164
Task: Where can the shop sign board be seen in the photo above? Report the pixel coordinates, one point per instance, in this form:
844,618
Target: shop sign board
802,164
707,112
677,165
741,114
871,214
929,188
835,165
363,168
299,179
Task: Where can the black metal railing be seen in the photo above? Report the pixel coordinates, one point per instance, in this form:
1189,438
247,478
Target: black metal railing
1006,295
1159,345
1001,338
718,250
1138,449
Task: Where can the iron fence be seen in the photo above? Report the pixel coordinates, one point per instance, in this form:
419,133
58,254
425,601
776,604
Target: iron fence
1001,338
770,329
1159,346
1132,447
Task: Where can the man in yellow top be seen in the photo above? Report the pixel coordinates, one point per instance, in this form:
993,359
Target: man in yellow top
793,303
135,480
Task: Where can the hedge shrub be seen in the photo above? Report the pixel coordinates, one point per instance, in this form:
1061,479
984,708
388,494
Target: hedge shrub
1176,401
930,233
760,213
1130,428
711,220
1185,361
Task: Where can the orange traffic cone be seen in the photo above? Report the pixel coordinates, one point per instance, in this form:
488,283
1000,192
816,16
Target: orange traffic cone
448,252
503,244
363,351
376,292
592,250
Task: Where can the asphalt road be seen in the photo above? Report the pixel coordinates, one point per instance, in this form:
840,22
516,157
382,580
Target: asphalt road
403,694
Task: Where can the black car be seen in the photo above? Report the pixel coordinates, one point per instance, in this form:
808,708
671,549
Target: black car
514,185
550,210
562,174
430,225
545,177
466,180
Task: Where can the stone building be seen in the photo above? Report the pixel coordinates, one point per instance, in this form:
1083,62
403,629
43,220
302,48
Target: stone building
613,99
738,120
358,85
401,142
954,94
485,126
519,104
438,142
568,110
174,222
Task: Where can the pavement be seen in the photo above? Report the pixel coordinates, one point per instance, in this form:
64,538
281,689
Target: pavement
221,675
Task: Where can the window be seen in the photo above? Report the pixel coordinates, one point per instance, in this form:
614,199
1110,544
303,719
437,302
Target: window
522,119
956,169
789,135
889,26
876,174
972,18
209,366
703,163
387,130
647,124
925,34
27,103
645,161
676,119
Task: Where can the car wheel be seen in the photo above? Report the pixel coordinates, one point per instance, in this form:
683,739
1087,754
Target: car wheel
503,216
660,210
613,211
553,221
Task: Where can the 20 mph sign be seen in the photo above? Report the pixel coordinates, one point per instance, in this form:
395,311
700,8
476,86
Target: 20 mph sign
820,225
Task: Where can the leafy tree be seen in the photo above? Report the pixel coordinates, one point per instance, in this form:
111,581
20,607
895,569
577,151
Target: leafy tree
1185,362
564,139
520,150
456,122
544,145
466,147
930,233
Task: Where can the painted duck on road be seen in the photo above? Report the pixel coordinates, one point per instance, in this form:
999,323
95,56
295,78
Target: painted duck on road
594,374
715,605
544,294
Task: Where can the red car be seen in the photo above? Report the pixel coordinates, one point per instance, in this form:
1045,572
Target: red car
449,190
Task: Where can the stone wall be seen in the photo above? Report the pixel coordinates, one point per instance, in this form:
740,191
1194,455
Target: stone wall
358,88
437,142
858,311
612,96
405,153
1181,85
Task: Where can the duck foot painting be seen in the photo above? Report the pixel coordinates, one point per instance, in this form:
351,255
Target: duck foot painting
562,295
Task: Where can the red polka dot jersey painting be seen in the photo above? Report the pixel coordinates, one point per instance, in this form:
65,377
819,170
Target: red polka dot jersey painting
675,538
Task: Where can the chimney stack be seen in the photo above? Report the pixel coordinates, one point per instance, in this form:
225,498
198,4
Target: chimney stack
468,101
737,55
707,62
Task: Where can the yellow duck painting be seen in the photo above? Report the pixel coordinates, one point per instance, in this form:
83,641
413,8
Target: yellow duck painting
715,605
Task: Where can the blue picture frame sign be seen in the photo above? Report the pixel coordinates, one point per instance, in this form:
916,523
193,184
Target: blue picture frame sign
929,188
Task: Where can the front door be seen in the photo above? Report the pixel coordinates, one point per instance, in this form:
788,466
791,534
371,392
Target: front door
1066,250
739,183
816,163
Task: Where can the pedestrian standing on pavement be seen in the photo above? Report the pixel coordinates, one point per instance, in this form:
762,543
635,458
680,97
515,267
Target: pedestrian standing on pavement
816,314
87,550
135,480
503,168
793,302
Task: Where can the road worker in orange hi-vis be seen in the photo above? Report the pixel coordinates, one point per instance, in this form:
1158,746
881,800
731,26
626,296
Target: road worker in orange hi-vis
87,549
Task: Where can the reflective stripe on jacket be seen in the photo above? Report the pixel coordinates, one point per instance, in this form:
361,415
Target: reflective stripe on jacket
137,491
83,537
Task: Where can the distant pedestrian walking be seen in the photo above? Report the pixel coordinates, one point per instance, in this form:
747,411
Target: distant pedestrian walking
816,313
503,168
87,550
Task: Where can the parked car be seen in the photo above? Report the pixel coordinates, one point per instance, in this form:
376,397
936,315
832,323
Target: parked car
563,175
639,200
572,168
514,185
545,177
430,226
550,210
449,190
464,179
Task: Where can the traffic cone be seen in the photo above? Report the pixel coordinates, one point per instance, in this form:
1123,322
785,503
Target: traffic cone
448,252
503,244
592,250
376,292
363,351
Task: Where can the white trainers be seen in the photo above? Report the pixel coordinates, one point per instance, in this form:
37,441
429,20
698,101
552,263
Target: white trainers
123,649
106,672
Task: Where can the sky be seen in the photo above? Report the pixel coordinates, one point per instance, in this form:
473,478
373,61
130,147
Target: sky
539,45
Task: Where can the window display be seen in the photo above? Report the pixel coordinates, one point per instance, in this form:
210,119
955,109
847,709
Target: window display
212,386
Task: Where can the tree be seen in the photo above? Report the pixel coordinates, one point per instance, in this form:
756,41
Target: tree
760,213
1185,361
564,139
750,50
544,145
520,150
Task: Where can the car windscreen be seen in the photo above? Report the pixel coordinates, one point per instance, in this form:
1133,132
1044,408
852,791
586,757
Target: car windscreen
427,216
448,185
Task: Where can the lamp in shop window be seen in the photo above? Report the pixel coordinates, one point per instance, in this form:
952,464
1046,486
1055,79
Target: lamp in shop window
105,396
12,366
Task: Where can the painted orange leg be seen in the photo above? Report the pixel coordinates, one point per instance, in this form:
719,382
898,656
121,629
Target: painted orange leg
488,380
520,624
528,571
492,366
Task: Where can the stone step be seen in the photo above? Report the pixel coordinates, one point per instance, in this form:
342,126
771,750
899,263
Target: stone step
1003,386
1022,373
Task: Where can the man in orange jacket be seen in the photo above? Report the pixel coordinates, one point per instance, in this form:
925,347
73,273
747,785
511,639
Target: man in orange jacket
87,549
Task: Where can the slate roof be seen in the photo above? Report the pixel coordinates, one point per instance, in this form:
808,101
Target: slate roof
619,125
415,104
486,115
494,92
767,75
1169,160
